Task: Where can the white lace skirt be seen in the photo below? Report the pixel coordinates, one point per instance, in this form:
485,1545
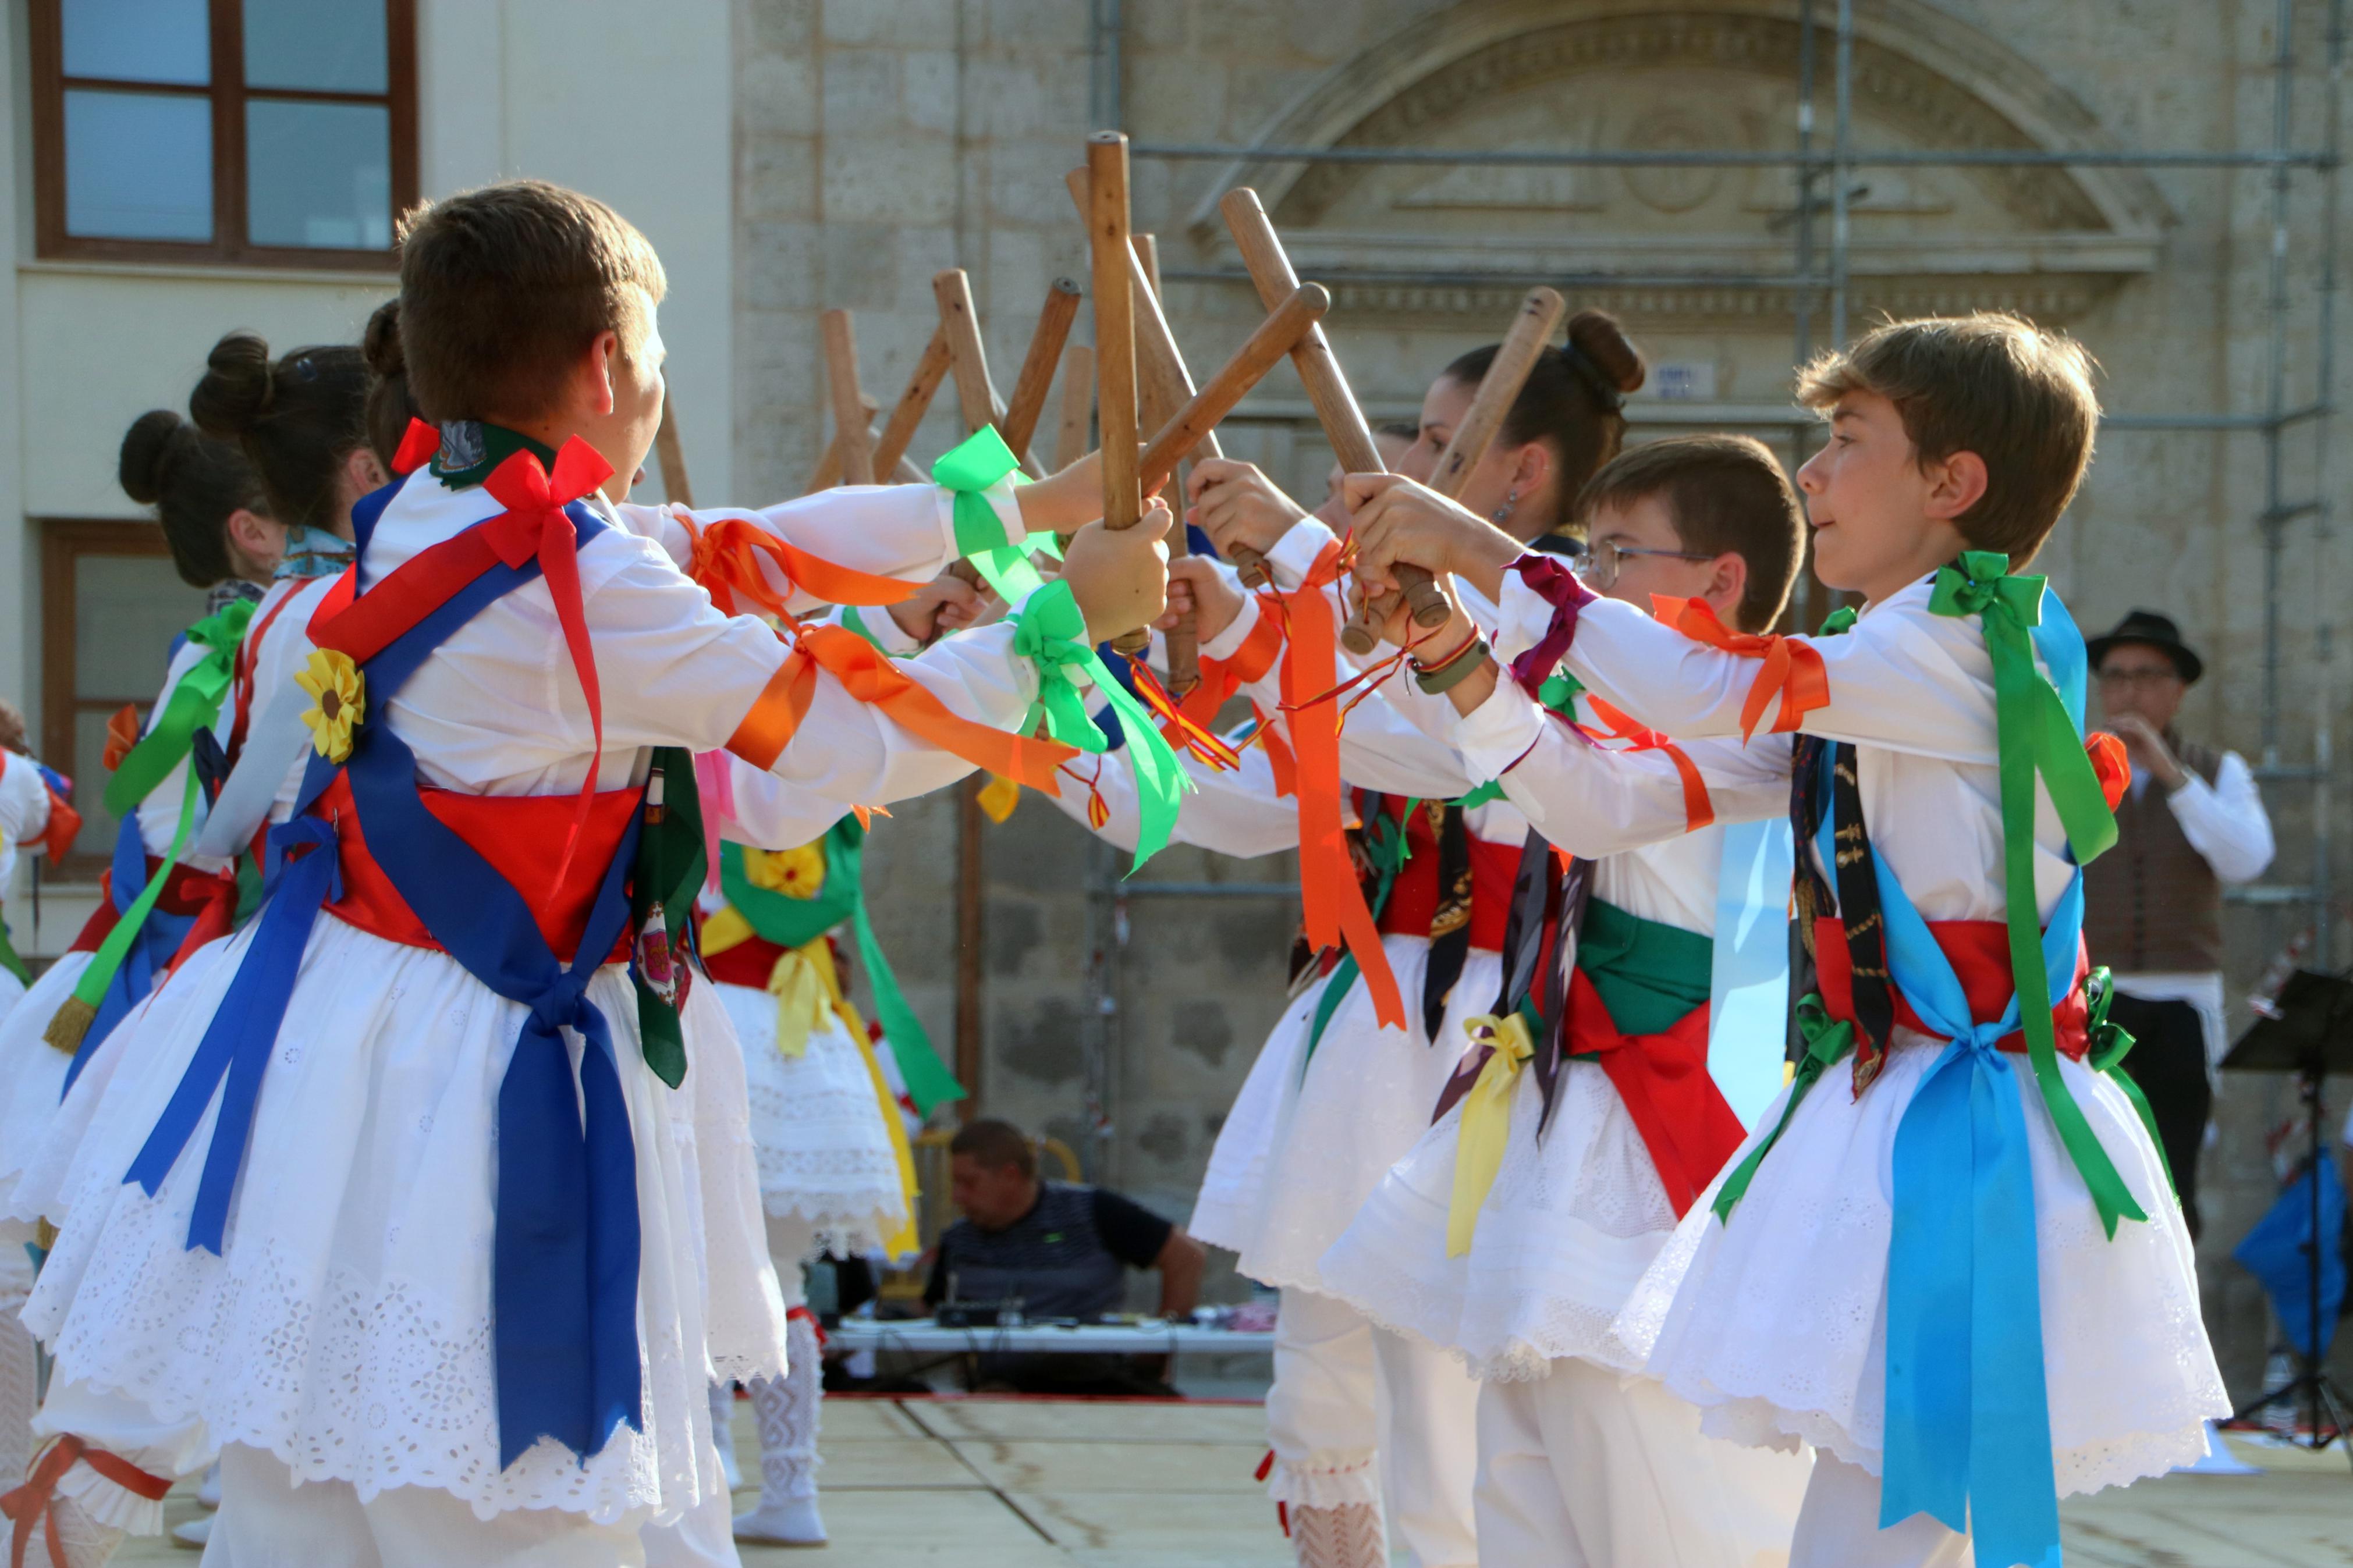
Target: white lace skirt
11,991
711,1124
1226,1211
1565,1235
1777,1324
347,1329
1349,1112
824,1150
32,1076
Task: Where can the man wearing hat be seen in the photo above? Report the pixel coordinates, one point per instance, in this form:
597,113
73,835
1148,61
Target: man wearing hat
2192,822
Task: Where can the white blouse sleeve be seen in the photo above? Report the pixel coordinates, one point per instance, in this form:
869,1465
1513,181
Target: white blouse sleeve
1233,812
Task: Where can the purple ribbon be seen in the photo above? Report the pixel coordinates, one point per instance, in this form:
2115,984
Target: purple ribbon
1557,586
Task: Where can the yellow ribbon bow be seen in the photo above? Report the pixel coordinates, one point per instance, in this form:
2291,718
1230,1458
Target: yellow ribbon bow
1486,1123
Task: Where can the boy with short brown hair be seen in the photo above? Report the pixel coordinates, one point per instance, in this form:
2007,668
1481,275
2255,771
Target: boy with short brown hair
425,1277
1966,1283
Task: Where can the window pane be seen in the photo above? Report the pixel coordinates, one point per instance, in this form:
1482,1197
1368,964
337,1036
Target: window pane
89,775
138,40
319,174
127,610
327,45
139,165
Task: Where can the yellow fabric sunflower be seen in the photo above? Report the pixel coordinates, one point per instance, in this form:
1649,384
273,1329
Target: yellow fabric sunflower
795,873
339,696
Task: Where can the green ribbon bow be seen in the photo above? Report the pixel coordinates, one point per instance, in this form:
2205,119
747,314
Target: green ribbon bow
1828,1042
2110,1043
195,704
1386,846
1051,632
971,470
2036,734
796,922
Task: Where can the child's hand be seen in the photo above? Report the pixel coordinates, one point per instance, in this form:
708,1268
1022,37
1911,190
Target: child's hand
1234,504
1397,520
1120,578
946,604
1394,619
1196,585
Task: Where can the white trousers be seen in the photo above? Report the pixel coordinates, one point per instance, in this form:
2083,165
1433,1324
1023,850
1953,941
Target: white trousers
268,1522
1587,1469
1839,1526
1351,1402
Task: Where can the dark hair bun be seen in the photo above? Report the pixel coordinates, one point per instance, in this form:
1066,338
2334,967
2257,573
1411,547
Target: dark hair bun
154,441
381,342
238,387
1597,335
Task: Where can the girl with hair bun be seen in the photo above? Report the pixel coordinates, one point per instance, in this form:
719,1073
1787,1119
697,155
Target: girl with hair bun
1360,1415
159,899
301,421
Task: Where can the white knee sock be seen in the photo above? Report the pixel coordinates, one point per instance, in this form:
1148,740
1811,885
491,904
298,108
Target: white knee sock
1349,1536
20,1394
786,1410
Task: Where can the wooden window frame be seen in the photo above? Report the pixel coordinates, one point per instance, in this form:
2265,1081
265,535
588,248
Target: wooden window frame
64,541
227,92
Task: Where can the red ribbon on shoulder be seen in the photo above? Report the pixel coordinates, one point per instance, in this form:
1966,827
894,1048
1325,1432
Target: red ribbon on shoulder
417,445
1792,669
724,558
533,527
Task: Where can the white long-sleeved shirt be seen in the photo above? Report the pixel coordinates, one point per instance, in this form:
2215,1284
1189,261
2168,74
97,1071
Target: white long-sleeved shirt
23,811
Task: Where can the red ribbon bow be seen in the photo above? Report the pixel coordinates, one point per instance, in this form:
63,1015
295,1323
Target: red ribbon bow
2110,764
31,1501
1664,1082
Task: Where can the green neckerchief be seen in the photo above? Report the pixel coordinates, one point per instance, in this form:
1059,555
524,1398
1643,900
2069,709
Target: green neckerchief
1386,848
1649,974
971,470
472,449
669,869
1050,632
1559,692
195,704
792,922
2036,735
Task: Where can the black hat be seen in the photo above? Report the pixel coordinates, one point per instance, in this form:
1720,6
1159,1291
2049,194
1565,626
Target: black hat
2158,632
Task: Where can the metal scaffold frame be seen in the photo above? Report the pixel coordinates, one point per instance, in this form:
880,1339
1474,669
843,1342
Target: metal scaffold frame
1819,286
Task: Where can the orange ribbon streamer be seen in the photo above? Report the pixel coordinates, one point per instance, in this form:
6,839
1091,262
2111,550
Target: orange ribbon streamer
1698,809
1332,900
870,676
121,734
724,558
1792,670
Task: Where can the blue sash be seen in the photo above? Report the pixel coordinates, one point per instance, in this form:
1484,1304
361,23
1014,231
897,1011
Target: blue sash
564,1268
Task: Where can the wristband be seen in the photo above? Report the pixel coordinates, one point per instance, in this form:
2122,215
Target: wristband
1432,668
1455,670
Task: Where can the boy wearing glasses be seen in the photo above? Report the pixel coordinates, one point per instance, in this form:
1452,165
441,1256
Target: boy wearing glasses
2192,821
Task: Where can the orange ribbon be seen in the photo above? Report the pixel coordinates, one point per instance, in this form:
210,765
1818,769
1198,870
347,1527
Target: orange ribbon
31,1501
1698,809
1332,899
122,735
1792,670
724,558
2110,764
870,677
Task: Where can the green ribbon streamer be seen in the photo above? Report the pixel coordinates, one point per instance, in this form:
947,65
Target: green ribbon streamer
1388,849
1052,634
1828,1042
8,959
796,922
195,704
971,470
669,868
2036,735
2110,1044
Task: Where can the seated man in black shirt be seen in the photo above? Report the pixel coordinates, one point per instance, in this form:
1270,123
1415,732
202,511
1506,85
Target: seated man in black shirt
1061,1249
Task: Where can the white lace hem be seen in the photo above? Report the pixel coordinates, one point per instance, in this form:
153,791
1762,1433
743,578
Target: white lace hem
1340,1478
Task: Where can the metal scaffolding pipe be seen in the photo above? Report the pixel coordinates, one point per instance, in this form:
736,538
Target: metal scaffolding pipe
1743,157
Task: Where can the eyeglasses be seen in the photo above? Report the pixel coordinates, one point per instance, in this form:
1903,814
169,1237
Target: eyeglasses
2138,677
1599,563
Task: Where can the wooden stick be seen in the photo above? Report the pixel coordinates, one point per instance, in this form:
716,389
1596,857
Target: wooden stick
1335,405
1029,403
1114,299
1157,360
1507,373
1073,436
1148,254
828,467
1292,321
672,454
852,441
931,369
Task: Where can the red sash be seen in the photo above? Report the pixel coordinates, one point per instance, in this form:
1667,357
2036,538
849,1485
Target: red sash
1662,1078
748,963
1979,953
520,836
1413,897
210,897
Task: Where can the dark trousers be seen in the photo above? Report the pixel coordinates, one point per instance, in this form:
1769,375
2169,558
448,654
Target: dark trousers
2167,1060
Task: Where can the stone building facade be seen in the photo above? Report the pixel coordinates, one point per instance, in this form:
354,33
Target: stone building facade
880,140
